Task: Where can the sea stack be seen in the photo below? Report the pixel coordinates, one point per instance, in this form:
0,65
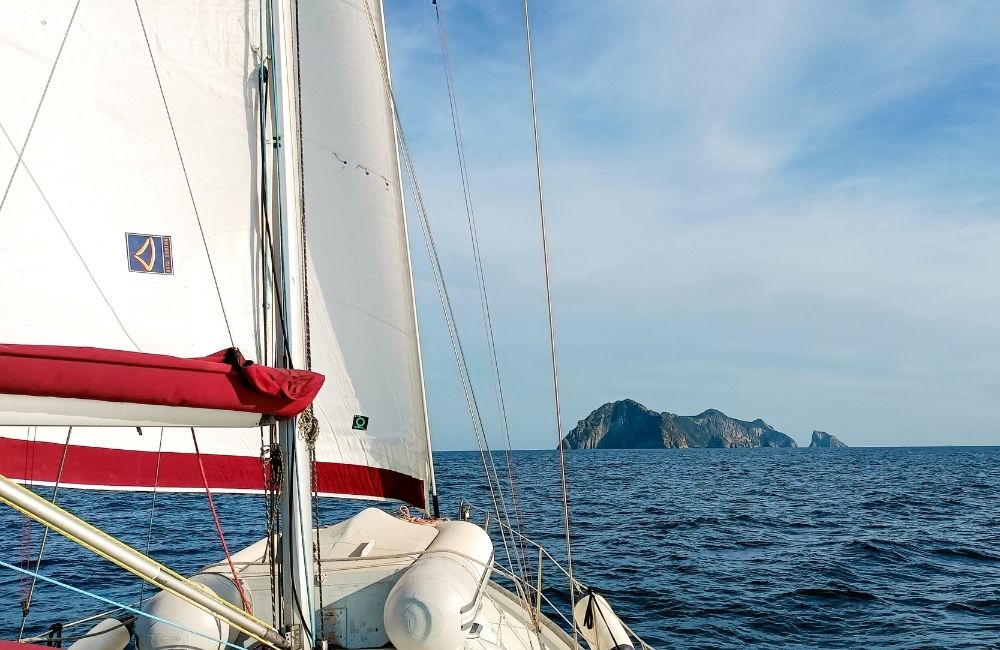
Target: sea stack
824,439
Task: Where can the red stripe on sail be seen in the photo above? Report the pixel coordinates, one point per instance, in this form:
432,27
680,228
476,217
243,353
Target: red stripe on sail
129,469
223,381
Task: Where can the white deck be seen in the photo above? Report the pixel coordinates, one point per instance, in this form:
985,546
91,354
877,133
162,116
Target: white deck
362,558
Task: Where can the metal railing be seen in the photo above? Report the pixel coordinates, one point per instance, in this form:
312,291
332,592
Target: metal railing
531,590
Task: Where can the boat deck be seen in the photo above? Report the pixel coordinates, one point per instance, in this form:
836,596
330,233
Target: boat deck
361,559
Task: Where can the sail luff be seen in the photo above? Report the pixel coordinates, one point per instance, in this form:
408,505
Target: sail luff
383,54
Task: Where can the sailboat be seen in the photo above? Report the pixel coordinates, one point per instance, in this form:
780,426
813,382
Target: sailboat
190,185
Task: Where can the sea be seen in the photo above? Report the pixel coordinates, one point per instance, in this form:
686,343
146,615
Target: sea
694,548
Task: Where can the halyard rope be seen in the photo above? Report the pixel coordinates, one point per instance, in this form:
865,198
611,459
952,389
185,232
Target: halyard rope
404,514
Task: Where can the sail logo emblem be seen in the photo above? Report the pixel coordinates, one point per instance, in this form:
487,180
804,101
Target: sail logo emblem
360,422
149,254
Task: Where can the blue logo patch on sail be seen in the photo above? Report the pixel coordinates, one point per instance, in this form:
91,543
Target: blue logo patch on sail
149,254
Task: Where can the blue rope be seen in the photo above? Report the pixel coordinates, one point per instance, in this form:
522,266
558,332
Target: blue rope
137,612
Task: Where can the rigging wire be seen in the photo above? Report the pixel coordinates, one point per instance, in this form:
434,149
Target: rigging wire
127,608
270,454
309,425
26,603
552,323
161,570
184,171
481,281
38,108
489,466
218,527
127,623
152,508
31,437
19,164
314,476
280,138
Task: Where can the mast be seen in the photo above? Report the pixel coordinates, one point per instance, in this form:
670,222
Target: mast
298,614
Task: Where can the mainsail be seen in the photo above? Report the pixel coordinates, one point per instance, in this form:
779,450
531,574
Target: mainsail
131,161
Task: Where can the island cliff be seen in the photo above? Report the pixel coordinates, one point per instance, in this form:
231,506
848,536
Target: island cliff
824,439
627,424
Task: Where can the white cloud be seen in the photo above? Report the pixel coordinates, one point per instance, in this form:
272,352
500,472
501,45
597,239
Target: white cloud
776,209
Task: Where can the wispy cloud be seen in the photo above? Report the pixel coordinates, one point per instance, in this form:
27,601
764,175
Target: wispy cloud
780,209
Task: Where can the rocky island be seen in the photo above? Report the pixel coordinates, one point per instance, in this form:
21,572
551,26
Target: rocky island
824,439
627,424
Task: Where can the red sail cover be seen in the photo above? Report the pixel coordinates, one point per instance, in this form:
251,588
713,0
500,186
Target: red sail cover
222,381
122,458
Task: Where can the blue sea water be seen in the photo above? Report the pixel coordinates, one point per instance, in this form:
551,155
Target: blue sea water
696,548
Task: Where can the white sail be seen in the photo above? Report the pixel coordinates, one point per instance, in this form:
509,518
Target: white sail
363,329
132,223
103,160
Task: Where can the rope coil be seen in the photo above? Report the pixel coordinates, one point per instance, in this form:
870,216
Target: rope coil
404,514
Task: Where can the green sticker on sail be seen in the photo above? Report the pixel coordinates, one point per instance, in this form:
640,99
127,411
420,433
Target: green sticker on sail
360,422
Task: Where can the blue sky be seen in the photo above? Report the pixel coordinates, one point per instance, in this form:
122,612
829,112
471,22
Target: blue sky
785,210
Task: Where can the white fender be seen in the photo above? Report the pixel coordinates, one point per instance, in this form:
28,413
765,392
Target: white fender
599,625
154,635
109,634
434,603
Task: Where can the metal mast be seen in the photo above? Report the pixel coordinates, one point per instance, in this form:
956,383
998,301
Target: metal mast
298,614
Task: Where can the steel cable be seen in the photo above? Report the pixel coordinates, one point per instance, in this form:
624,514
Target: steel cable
552,324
